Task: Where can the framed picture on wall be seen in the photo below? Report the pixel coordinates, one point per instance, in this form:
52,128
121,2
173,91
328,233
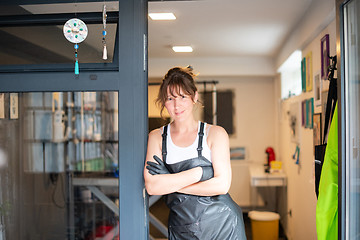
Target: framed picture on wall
303,74
317,129
309,73
325,53
238,153
303,113
309,112
317,88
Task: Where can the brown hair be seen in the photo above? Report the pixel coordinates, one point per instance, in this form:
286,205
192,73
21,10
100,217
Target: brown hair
176,79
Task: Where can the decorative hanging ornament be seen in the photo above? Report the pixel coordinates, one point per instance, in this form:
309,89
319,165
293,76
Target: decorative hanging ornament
75,31
104,33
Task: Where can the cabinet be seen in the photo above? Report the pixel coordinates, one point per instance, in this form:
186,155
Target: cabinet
260,179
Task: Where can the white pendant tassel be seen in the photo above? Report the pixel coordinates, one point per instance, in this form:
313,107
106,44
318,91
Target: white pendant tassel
105,53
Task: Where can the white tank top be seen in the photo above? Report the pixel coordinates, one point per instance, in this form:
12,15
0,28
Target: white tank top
177,154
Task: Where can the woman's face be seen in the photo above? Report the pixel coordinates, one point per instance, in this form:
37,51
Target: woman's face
180,105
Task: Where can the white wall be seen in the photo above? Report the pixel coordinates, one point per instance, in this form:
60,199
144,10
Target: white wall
216,67
254,113
300,198
254,121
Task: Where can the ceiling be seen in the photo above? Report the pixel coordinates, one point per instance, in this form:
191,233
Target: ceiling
222,29
228,36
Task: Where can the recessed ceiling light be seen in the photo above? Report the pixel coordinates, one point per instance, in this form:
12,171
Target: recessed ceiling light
182,48
162,16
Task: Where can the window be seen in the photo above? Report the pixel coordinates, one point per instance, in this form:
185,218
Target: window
290,72
34,41
46,44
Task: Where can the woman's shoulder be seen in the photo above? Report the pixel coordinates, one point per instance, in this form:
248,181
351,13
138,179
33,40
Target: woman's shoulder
155,138
216,133
215,130
156,132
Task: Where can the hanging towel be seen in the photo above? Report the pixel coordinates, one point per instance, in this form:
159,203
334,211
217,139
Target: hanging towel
327,204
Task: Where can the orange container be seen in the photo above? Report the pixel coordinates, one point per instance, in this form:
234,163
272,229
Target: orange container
264,225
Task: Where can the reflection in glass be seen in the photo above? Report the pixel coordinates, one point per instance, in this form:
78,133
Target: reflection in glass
46,44
33,34
59,166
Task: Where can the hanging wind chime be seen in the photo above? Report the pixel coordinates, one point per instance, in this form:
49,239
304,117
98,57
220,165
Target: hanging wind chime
75,31
104,33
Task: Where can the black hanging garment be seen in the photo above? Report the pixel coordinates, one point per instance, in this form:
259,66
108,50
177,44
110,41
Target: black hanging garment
319,151
201,217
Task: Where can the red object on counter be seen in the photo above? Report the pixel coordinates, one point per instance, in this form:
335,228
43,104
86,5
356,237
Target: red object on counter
271,155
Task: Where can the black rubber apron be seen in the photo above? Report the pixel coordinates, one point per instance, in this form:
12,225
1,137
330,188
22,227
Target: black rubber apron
198,217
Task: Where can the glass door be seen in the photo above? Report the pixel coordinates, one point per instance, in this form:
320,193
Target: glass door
351,75
59,176
72,154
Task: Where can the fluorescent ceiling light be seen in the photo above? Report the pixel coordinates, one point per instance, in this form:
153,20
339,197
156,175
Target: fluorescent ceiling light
162,16
182,48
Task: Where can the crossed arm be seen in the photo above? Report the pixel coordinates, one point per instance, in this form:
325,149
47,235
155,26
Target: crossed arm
189,181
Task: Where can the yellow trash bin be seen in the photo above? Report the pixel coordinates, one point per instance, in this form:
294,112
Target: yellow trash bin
264,225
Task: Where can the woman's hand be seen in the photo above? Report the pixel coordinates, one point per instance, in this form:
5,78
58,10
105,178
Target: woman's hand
218,142
157,168
207,173
160,168
157,182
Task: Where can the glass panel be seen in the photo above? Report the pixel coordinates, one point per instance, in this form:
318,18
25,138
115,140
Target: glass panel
352,111
11,10
59,165
46,44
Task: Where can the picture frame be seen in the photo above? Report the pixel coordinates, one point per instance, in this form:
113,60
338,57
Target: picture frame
237,153
303,74
306,114
317,127
317,88
303,113
309,73
309,112
325,54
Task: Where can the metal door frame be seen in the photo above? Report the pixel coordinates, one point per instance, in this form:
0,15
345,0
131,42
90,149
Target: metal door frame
130,80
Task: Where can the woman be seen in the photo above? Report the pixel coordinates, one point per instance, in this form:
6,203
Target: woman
194,172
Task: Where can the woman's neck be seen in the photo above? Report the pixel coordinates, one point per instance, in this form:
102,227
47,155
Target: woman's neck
184,126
